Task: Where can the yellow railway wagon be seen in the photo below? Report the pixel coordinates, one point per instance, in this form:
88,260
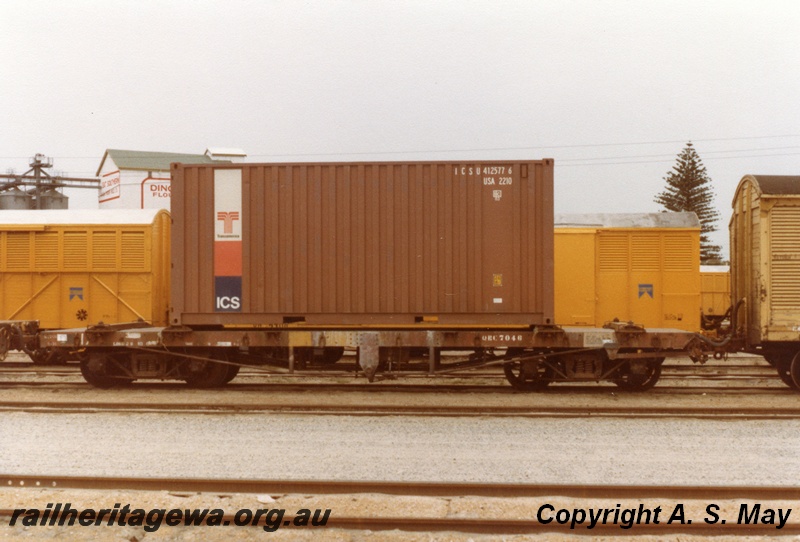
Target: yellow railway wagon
715,291
78,268
765,259
639,267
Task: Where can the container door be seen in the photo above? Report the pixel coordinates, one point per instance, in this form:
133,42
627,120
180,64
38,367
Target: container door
499,193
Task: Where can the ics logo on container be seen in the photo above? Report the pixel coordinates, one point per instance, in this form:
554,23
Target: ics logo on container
228,303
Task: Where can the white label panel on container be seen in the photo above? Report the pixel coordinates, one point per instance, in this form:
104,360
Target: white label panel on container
228,204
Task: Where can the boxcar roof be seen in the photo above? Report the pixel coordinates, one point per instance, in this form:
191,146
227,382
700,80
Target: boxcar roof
628,220
777,184
78,216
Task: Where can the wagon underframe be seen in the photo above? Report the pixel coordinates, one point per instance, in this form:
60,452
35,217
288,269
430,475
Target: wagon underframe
532,358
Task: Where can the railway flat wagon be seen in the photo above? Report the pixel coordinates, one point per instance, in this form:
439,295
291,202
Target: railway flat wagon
639,267
287,266
765,269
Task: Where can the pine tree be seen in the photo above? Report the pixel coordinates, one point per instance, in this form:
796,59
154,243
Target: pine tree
689,189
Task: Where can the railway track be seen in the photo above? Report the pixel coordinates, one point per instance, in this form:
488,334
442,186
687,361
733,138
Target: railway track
425,489
679,380
669,372
590,388
533,499
759,382
339,409
755,363
409,395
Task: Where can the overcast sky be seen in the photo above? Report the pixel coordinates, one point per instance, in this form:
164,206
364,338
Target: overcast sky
612,90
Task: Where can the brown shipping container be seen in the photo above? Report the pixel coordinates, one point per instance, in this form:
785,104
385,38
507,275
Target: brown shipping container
372,244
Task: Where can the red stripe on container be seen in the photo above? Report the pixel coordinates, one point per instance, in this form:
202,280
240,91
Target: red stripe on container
228,259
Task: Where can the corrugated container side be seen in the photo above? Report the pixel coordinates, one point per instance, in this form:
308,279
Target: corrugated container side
74,275
363,243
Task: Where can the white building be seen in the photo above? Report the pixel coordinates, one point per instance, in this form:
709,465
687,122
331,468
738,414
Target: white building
140,179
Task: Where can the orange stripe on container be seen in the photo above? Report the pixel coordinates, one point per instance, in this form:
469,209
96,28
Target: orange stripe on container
228,259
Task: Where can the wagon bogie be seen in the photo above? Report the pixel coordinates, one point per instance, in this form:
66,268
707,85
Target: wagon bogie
533,371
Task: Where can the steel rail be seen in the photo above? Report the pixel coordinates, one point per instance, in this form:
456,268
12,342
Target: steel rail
730,413
257,369
694,385
677,370
706,372
496,382
410,488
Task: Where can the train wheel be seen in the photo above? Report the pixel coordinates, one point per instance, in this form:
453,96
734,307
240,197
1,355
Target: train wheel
782,361
94,369
208,373
794,372
639,376
233,370
524,379
785,373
